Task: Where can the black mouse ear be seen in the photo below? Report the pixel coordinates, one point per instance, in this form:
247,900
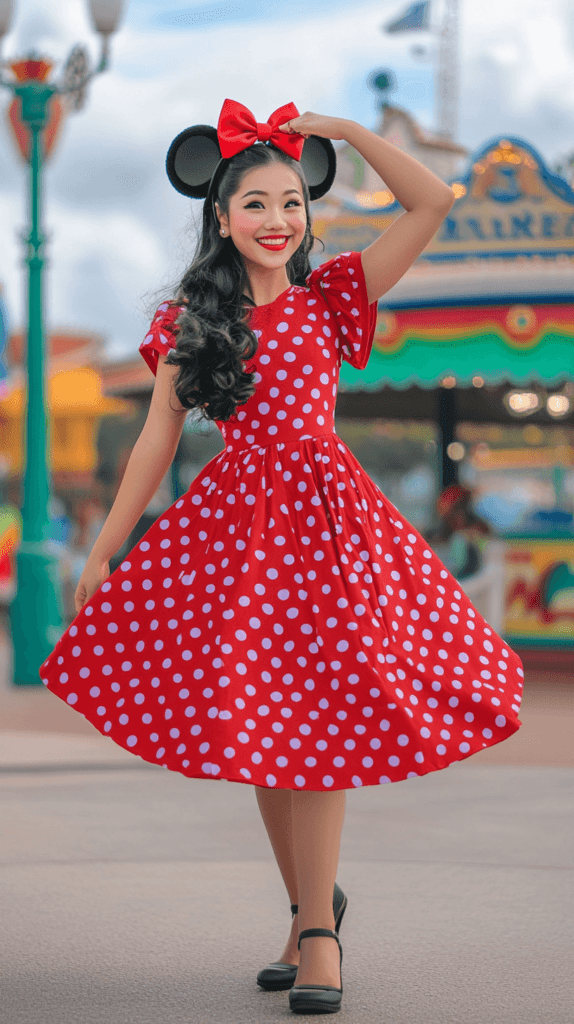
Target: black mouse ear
191,160
194,155
319,164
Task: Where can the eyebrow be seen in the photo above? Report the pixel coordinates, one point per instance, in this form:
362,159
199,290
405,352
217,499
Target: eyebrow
259,192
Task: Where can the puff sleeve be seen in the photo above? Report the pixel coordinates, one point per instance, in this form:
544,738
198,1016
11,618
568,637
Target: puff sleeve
161,336
341,283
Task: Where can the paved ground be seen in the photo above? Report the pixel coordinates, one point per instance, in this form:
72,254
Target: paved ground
139,897
134,896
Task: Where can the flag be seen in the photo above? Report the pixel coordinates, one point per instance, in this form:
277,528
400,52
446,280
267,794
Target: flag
415,17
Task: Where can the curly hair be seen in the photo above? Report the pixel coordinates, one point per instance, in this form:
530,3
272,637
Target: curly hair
214,339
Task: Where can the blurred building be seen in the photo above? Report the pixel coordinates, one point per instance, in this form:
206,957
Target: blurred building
77,411
355,177
76,405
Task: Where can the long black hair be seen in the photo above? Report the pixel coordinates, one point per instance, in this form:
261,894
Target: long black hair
213,337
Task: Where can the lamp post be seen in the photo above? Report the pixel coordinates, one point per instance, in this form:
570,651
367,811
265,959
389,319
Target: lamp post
36,613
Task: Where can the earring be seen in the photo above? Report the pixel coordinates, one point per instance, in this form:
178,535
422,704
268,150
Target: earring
222,231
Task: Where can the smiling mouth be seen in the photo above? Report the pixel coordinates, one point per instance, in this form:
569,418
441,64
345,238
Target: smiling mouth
274,242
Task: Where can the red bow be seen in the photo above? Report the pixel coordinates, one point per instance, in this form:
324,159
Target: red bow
237,129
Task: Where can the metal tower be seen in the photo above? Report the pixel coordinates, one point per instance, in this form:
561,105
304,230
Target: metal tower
447,73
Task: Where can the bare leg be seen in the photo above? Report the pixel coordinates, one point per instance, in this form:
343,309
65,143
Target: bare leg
316,824
275,807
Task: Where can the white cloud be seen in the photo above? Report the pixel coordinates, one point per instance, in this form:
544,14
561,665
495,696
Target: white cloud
119,247
118,230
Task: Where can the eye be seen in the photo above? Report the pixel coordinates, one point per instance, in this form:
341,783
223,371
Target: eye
254,202
296,202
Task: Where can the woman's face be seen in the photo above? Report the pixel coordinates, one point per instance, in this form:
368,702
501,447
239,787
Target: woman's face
267,218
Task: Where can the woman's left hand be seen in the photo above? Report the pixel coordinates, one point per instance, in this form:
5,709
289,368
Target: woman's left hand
315,124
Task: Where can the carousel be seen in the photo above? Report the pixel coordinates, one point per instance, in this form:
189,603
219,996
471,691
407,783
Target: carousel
480,332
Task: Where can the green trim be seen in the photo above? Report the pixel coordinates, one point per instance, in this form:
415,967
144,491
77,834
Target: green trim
551,537
537,642
424,363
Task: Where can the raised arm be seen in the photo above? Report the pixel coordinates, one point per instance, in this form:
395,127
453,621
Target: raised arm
425,198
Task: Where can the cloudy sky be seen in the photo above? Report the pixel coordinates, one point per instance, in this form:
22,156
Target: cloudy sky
118,232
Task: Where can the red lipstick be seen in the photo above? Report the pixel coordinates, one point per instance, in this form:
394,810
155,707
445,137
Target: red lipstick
275,243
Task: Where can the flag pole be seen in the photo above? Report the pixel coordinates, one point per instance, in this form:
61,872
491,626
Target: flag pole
416,17
447,73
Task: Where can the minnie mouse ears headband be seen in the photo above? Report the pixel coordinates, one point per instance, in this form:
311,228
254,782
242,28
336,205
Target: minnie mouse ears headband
197,153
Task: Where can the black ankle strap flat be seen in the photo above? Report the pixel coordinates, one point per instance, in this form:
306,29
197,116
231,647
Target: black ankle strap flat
317,998
280,976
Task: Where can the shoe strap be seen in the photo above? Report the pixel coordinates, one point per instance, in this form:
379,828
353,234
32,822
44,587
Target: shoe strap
337,894
310,933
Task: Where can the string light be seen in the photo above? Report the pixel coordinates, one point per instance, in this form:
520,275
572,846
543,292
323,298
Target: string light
380,198
455,451
558,405
523,401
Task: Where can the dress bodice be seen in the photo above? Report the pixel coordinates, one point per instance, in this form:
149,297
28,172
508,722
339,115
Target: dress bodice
302,337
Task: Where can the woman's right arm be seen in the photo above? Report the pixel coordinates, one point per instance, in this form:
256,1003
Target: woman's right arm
149,461
423,195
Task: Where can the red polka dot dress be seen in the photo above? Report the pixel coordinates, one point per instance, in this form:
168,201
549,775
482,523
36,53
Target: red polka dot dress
282,624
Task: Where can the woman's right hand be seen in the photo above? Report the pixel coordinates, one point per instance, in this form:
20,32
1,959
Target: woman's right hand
316,124
94,574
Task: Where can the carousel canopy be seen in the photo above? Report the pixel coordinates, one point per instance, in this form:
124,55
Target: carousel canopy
491,299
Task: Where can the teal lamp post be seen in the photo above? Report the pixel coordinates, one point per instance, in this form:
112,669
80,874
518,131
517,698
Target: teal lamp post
36,614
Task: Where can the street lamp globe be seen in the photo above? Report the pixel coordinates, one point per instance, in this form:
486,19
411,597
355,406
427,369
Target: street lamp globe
6,13
106,14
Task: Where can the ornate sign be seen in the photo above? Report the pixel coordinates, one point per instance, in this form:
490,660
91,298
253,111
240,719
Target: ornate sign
508,204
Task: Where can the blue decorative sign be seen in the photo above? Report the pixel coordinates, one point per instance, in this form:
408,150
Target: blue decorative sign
508,204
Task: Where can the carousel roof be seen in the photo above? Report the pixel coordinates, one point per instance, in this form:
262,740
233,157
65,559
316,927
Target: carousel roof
479,282
491,299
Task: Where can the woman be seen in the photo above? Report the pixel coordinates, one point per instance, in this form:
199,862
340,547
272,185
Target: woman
281,624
